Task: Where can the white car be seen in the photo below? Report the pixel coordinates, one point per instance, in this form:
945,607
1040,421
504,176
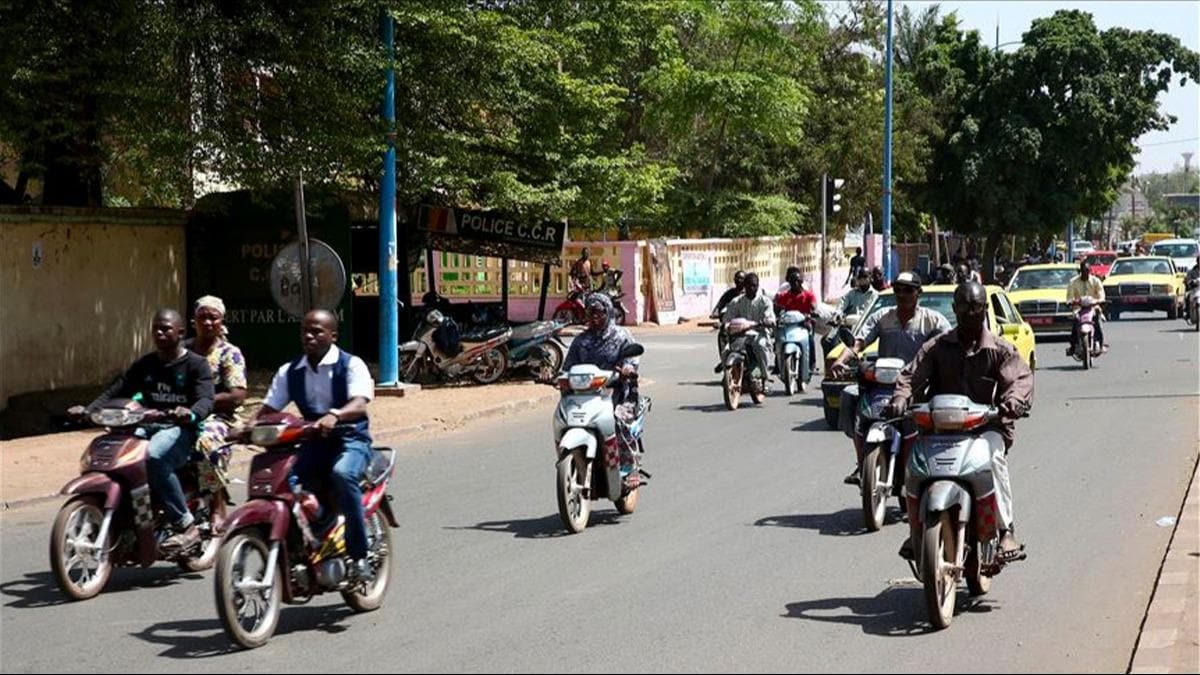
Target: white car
1081,247
1182,251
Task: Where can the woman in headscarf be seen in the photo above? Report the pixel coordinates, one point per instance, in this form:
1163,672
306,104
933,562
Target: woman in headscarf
229,380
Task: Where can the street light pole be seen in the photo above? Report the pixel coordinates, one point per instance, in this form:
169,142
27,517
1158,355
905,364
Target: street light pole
887,153
389,315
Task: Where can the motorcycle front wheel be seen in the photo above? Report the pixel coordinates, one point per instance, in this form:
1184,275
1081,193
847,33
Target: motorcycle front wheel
73,556
248,611
370,597
731,388
978,583
573,507
874,492
789,374
938,550
1086,346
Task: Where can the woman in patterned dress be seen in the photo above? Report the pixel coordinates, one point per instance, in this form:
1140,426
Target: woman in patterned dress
229,380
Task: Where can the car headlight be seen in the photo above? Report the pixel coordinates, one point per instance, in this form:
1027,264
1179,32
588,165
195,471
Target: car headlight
1161,289
116,417
266,434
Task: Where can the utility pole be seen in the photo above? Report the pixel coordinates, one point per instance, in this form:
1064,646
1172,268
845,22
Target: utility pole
887,154
389,315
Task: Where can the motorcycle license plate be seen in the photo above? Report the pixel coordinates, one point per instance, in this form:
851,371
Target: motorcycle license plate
1039,320
1134,298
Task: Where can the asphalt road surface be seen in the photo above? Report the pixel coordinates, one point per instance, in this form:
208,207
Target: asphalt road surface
746,554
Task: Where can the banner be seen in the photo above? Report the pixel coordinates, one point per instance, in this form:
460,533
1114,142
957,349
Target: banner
662,280
697,272
491,233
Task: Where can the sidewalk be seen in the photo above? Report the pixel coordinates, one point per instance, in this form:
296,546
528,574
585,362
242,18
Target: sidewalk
33,469
1170,637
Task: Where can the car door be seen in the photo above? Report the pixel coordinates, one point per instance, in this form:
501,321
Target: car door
1011,326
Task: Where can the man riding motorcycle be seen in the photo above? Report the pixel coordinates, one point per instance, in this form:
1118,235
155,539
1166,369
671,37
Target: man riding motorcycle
971,361
1086,285
754,306
795,297
177,386
330,387
854,303
900,330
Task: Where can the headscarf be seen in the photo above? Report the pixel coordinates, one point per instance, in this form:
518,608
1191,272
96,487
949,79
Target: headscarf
212,302
602,301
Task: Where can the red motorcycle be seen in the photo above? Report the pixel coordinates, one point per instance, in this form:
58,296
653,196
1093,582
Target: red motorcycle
110,519
278,546
571,311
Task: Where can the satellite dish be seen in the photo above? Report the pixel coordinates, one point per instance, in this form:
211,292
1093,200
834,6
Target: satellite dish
327,276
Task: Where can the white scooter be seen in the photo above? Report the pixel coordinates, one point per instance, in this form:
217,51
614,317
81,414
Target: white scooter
591,441
791,339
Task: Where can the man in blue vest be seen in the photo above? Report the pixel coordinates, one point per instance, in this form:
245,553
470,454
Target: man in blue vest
331,387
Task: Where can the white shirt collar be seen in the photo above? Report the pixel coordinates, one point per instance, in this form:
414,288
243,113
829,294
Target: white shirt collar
329,359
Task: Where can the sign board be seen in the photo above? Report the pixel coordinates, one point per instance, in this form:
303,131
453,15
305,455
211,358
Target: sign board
327,276
491,233
662,281
697,272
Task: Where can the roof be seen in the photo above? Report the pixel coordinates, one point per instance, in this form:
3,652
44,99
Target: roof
1052,266
1181,240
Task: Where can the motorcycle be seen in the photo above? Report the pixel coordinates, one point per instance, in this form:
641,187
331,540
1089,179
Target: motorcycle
1192,303
284,546
588,428
484,357
535,345
878,477
1087,349
952,508
111,519
571,312
791,340
740,364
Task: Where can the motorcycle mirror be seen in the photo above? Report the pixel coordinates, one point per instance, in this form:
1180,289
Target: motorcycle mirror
631,350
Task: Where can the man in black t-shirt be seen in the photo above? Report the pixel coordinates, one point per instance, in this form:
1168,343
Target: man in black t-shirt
177,386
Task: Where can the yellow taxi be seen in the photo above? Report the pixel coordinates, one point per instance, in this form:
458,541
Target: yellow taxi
1003,320
1144,284
1040,294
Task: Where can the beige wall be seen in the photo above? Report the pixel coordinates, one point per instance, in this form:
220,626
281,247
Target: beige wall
82,312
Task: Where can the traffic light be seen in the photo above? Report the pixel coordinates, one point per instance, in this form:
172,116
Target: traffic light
833,194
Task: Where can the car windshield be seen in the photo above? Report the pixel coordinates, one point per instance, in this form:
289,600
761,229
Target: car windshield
1100,259
940,302
1175,250
1027,279
1139,266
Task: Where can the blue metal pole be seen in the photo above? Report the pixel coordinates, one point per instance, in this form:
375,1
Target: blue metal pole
887,153
389,316
1070,257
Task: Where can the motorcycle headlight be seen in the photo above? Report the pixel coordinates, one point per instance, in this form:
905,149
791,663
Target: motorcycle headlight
266,434
116,417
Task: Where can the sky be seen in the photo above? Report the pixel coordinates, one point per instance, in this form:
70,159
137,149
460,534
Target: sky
1161,150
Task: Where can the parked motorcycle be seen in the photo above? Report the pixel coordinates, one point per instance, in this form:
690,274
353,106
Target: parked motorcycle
111,519
952,508
598,447
484,357
286,544
791,340
742,371
879,477
536,346
1087,348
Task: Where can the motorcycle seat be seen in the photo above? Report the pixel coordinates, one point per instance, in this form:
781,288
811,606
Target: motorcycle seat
529,331
483,333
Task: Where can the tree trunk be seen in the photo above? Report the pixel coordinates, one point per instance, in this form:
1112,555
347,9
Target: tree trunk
991,248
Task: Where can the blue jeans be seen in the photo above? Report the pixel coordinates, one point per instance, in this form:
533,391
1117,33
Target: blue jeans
342,460
170,449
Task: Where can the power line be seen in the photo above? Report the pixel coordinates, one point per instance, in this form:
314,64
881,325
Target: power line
1182,140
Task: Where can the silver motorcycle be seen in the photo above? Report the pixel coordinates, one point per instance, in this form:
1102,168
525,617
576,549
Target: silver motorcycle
881,445
484,357
952,508
590,435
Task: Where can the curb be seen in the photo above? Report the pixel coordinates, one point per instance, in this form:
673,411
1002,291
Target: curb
390,434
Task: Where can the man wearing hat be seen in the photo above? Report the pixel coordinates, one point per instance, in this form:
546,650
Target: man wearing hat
900,330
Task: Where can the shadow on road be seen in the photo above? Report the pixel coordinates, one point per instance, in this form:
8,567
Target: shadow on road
201,638
38,589
710,383
844,523
718,407
816,402
897,611
538,528
817,424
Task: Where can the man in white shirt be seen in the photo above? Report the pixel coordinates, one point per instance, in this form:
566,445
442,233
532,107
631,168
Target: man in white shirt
331,387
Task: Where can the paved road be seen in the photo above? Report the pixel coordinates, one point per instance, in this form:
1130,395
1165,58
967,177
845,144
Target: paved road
746,553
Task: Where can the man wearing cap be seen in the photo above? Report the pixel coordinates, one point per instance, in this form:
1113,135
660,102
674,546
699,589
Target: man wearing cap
900,330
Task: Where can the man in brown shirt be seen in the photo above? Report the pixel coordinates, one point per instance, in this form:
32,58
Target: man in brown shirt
971,361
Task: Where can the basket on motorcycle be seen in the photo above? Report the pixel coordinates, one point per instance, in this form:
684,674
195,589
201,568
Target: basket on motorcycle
847,409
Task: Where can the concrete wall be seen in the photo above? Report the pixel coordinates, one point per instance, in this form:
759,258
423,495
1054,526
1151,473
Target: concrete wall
78,289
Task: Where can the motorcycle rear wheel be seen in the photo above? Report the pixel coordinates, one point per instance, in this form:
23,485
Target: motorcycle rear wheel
233,602
371,597
573,507
874,504
492,368
732,386
552,360
77,527
938,549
